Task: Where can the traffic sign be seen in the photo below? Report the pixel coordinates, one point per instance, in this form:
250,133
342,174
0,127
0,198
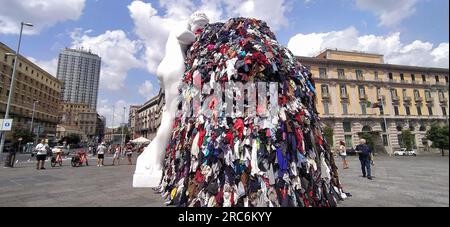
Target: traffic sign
6,124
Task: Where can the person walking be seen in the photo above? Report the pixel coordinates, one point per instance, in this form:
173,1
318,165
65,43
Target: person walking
117,155
41,155
343,154
129,152
365,156
101,149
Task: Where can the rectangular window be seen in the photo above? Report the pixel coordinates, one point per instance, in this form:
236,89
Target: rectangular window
362,91
394,93
341,73
359,74
364,108
402,77
397,113
378,92
416,94
419,111
322,72
345,108
324,90
349,140
427,94
391,77
446,79
413,77
383,126
424,78
404,92
408,111
344,90
437,79
430,110
347,126
444,111
326,108
376,75
441,95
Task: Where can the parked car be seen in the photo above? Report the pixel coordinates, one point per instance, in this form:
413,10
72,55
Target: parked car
405,152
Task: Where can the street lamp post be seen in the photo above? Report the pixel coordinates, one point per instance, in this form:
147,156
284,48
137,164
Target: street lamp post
386,127
123,126
11,87
112,126
32,115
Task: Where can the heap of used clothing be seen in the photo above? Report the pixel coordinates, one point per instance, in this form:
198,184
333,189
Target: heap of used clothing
234,163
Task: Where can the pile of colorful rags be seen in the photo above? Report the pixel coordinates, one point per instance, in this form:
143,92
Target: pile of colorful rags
217,161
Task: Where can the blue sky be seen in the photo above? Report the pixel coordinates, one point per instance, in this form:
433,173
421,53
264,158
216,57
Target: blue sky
130,35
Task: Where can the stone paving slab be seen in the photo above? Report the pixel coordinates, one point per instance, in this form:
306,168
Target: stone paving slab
399,181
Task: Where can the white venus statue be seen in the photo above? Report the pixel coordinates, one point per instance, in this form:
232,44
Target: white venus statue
149,166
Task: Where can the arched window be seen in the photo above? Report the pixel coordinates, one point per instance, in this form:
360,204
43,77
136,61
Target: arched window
367,128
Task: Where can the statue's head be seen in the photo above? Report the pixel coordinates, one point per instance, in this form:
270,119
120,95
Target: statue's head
198,20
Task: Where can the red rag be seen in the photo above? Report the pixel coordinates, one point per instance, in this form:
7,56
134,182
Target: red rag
202,133
232,199
199,177
229,137
239,127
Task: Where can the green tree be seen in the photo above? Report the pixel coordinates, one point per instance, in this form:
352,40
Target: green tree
407,139
369,140
328,134
438,135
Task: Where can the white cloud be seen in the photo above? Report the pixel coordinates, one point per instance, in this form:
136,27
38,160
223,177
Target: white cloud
153,26
118,55
417,53
51,66
42,13
147,90
109,109
273,11
390,12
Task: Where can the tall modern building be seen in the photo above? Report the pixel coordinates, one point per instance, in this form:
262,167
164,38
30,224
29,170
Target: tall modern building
79,71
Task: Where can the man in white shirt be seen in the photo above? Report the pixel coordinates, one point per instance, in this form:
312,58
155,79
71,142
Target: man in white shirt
41,149
101,149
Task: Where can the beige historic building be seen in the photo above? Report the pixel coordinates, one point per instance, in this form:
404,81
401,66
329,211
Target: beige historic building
349,83
133,121
81,118
32,85
148,116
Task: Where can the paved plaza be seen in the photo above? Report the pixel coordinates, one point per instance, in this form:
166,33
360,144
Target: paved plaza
399,181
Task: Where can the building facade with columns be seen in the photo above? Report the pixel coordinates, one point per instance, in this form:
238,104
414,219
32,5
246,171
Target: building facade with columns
349,84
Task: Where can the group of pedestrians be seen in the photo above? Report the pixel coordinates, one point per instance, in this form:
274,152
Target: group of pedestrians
43,151
365,157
